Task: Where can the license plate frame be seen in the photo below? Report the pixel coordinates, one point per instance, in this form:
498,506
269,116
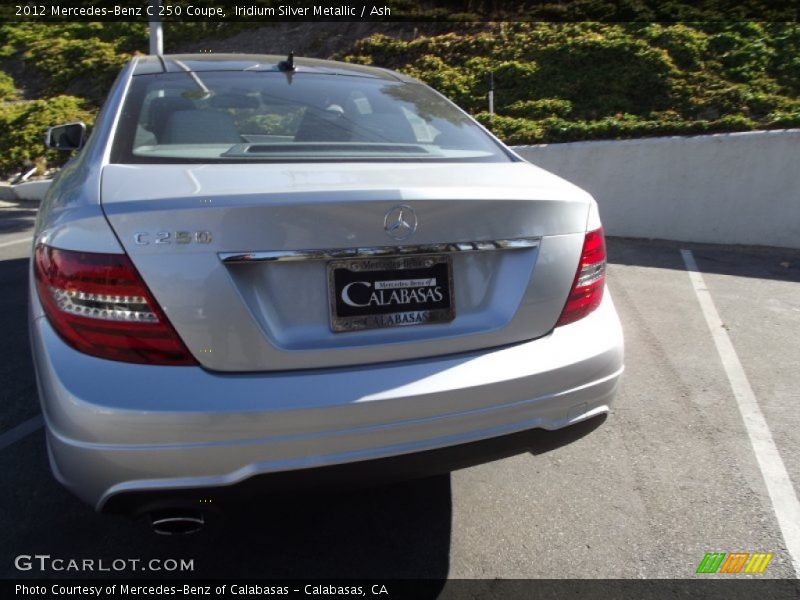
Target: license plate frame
432,274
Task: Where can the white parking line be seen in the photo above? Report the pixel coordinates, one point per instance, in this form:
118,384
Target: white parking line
15,434
13,242
779,486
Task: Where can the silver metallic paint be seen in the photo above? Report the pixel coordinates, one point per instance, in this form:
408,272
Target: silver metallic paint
245,317
135,428
115,426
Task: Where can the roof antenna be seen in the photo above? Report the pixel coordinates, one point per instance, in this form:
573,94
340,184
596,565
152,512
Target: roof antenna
288,64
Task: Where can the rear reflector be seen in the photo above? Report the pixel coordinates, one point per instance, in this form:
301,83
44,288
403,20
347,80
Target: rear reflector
590,280
99,305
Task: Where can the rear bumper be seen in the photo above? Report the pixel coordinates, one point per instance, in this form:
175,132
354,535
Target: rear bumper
116,429
366,473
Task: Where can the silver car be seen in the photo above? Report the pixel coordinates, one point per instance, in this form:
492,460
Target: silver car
259,265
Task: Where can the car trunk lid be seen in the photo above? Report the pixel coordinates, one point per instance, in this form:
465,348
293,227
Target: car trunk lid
512,234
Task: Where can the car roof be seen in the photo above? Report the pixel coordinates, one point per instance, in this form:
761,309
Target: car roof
180,63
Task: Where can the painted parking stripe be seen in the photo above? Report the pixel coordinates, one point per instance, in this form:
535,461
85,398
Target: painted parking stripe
779,486
14,242
15,434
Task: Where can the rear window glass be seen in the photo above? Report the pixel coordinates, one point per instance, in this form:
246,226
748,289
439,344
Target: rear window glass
262,116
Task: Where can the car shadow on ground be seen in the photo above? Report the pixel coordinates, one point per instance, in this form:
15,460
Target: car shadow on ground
17,390
393,531
17,216
400,530
759,262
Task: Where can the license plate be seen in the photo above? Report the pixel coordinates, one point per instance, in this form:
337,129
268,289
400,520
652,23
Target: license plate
370,293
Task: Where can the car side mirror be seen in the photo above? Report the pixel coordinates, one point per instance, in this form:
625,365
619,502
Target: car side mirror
66,137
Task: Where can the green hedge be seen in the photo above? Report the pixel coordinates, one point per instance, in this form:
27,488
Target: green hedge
75,58
7,89
24,124
75,64
579,81
554,82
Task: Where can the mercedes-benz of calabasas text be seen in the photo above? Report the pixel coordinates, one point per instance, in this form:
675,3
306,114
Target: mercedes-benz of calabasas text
257,265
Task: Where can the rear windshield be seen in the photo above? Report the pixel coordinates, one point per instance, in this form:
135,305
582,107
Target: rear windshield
257,116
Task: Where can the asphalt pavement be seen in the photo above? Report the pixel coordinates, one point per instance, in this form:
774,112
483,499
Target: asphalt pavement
670,475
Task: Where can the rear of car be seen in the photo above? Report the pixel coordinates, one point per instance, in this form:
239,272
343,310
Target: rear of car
254,269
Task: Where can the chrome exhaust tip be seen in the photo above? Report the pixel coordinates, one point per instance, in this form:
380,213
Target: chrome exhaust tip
171,523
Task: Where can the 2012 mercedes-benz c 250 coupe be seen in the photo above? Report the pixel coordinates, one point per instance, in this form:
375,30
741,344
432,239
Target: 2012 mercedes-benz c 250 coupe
260,265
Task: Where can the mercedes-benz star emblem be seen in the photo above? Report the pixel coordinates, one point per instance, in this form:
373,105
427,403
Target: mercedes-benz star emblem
400,222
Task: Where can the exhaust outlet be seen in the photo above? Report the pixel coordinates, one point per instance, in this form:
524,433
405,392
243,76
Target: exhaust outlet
173,523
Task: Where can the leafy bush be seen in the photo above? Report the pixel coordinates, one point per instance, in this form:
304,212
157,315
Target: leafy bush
93,63
784,65
24,124
576,81
539,109
553,81
7,89
78,58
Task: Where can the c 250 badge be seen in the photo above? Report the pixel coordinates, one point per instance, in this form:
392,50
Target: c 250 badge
145,238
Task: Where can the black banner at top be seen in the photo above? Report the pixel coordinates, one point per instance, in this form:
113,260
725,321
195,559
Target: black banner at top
399,10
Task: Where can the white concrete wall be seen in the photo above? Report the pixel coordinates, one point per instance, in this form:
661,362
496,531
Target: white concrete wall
32,190
736,188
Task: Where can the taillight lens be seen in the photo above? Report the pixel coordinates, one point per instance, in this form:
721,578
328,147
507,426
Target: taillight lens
590,280
99,305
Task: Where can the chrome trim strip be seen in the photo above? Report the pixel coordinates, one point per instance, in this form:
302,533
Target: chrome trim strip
334,253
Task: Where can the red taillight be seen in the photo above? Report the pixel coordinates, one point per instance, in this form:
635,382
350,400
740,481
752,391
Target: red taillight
99,305
590,280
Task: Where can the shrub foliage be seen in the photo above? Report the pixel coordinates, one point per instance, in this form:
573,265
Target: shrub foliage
579,81
24,125
554,82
